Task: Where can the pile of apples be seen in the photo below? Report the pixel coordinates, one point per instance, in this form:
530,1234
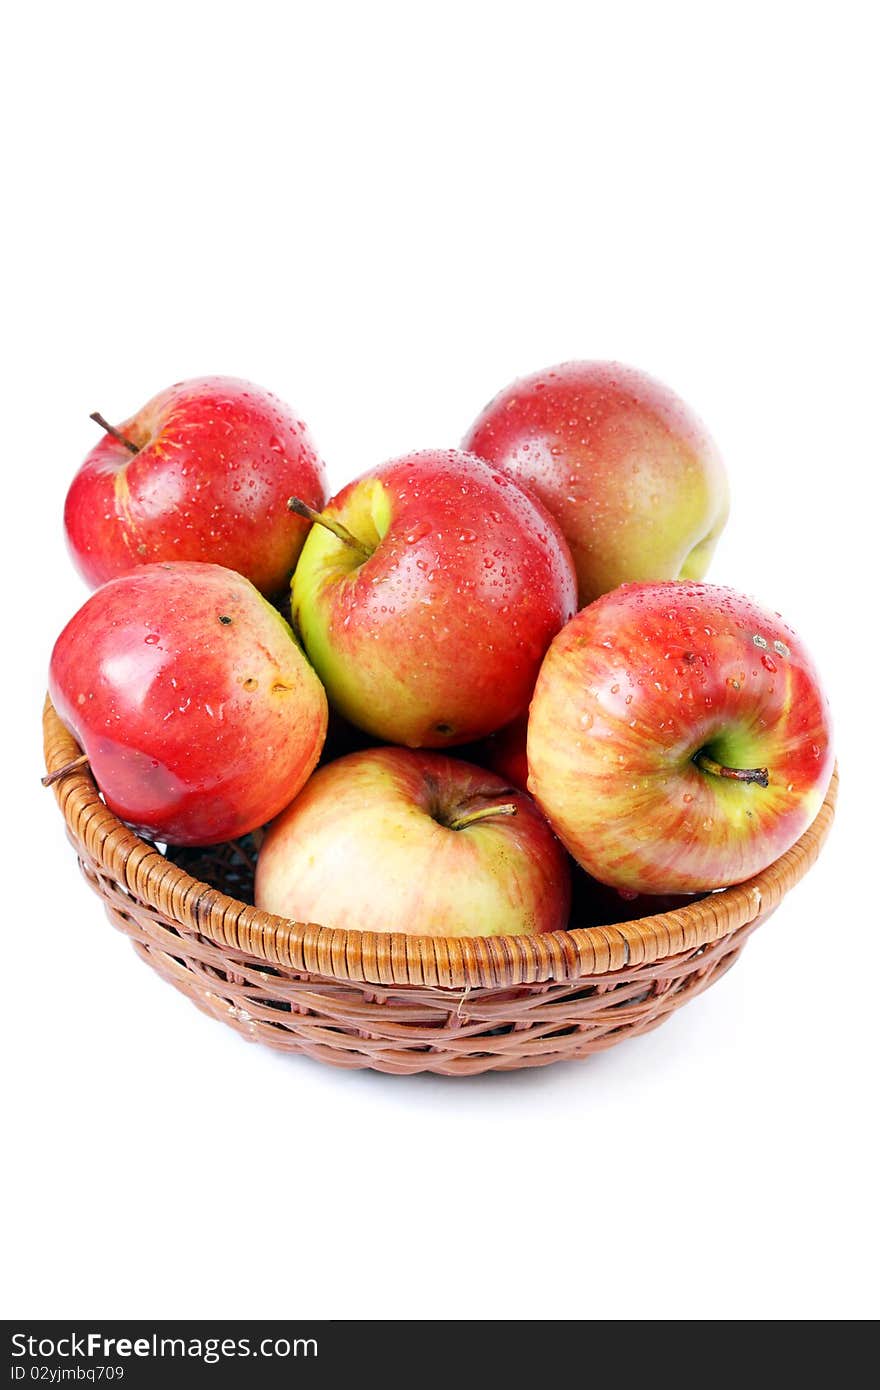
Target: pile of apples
531,602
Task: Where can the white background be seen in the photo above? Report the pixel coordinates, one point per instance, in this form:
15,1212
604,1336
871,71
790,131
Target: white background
385,212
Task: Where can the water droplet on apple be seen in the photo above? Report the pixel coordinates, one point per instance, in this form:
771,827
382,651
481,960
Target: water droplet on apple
275,443
768,663
467,536
418,532
586,720
151,639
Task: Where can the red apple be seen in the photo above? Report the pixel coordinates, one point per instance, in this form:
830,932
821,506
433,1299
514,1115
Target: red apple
202,472
391,840
626,468
678,740
429,611
200,716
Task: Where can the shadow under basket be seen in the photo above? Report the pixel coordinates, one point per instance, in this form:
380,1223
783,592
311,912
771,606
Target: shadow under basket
403,1003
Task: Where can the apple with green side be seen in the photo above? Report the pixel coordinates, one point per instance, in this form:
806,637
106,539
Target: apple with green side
426,596
202,472
397,840
627,469
194,706
678,738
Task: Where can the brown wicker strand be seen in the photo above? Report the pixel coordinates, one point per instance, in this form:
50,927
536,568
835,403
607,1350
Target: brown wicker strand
405,1003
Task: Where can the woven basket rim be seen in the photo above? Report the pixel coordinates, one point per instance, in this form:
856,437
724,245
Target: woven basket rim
395,958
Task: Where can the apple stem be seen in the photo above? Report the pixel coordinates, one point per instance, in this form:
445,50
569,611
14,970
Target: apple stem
462,822
341,532
111,429
63,770
739,774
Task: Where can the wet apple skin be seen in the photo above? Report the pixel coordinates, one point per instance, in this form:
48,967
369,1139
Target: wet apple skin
636,685
218,458
624,465
198,711
436,639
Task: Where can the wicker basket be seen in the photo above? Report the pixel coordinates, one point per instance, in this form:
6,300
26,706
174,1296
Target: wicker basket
404,1003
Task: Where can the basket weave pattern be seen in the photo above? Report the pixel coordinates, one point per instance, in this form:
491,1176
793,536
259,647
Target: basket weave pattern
404,1003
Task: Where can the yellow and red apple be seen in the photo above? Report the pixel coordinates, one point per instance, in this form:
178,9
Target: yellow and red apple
627,469
397,840
427,597
678,739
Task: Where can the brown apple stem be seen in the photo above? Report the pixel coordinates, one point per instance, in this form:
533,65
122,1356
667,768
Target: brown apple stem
111,429
739,774
63,770
341,532
507,809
